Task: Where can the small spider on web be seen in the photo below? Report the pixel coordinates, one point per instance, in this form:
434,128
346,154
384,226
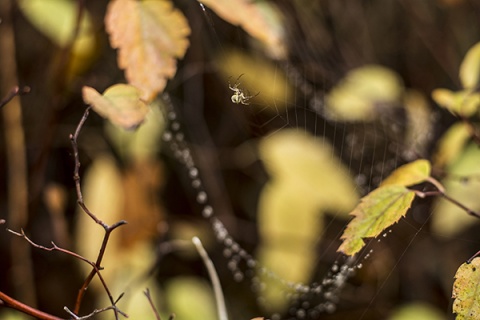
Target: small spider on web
239,96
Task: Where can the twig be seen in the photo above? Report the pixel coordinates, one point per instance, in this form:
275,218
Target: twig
13,93
149,298
76,255
217,288
88,316
108,229
8,301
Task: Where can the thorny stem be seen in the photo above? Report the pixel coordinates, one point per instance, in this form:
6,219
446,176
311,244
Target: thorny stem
108,229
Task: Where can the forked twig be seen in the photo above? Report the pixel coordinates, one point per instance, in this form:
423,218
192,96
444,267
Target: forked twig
108,229
76,255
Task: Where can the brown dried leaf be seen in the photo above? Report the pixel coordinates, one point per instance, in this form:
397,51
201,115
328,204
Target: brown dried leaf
150,36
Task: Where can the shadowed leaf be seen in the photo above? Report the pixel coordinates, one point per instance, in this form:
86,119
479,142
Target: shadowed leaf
150,36
465,291
377,211
451,144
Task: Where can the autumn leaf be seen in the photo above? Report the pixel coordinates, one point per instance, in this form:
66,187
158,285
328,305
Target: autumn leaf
121,104
465,291
260,19
150,36
464,103
409,174
451,144
470,68
358,95
377,211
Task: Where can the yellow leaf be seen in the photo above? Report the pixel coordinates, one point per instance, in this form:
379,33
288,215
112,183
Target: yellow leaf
409,174
120,103
448,219
150,36
364,93
470,68
464,103
306,180
377,211
260,19
57,19
465,291
451,144
417,311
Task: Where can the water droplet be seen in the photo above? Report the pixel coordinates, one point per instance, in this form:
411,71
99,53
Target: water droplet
179,136
359,266
167,136
335,268
193,172
207,212
330,307
196,183
300,313
202,197
238,276
172,116
227,253
175,126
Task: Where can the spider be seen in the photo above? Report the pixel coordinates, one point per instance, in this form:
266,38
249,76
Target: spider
239,96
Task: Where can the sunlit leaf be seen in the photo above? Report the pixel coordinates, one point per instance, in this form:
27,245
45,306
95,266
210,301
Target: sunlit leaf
464,103
150,36
121,104
57,19
364,93
465,291
142,143
462,183
190,298
409,174
377,211
260,19
306,180
451,144
470,68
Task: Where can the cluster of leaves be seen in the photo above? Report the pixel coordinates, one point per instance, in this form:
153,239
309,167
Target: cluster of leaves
152,35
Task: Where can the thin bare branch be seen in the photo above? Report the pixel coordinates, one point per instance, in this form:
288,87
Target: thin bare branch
108,229
149,297
13,93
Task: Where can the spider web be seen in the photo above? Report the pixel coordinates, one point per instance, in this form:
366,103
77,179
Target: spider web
226,185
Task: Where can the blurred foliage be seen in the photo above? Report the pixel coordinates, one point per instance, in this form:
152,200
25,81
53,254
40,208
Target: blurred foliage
283,194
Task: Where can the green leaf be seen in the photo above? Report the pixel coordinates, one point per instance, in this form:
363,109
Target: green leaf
120,103
470,68
465,291
409,174
451,144
377,211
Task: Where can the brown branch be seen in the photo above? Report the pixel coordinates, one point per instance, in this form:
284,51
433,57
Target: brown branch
149,298
96,269
9,302
108,229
